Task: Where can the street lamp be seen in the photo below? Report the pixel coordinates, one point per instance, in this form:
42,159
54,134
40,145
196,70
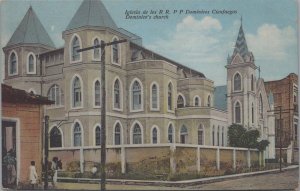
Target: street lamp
103,106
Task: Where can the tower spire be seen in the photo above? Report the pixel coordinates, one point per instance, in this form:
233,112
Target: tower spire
30,31
241,44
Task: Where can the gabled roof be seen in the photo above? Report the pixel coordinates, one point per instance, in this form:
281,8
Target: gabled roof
30,31
220,99
241,44
92,13
12,95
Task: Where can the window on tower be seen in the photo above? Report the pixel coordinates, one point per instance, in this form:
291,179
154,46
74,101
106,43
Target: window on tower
252,82
77,97
237,86
31,67
115,52
237,112
75,48
13,64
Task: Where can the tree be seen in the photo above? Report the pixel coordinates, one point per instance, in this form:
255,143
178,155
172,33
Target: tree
238,136
234,135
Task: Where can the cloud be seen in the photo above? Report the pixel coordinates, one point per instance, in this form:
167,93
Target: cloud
203,44
197,44
272,43
206,24
192,42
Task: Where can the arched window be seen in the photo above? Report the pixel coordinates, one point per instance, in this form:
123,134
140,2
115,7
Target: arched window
183,134
55,138
117,134
77,135
75,47
117,102
252,113
76,92
55,94
196,101
13,64
180,102
252,82
200,135
237,112
154,135
31,69
213,135
115,52
154,96
137,134
170,133
208,101
170,90
136,96
98,135
218,136
97,51
237,82
97,93
261,106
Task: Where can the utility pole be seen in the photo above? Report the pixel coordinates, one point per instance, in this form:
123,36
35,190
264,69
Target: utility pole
102,45
46,152
280,139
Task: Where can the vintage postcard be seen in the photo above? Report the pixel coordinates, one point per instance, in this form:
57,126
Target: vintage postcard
149,94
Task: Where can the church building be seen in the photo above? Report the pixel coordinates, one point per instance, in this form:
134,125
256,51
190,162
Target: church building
150,99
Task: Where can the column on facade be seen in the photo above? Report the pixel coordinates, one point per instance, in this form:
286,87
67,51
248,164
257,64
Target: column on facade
218,158
198,160
123,160
234,158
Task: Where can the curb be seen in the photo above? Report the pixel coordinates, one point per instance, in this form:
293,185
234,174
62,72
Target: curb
181,183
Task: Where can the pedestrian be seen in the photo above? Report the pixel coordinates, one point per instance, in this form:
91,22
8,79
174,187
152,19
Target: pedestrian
54,170
32,174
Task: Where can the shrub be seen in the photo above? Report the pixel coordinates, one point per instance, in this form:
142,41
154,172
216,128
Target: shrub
73,166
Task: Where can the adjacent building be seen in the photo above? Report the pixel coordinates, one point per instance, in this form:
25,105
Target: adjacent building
22,128
285,95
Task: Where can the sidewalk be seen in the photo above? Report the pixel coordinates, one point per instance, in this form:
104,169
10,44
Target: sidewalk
182,183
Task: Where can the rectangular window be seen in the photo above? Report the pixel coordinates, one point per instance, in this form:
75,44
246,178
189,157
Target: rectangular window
200,137
117,101
137,100
117,139
77,100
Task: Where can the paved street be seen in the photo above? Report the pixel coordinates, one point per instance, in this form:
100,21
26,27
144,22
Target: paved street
285,180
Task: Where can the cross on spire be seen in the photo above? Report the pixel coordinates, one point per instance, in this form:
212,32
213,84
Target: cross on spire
241,19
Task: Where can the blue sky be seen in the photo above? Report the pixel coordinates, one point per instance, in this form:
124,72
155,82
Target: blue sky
200,41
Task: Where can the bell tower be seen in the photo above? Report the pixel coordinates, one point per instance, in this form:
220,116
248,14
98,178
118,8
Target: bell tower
241,84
